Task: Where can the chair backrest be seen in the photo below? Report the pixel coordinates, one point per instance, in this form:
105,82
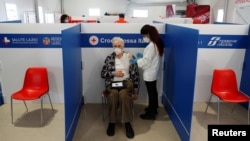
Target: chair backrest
224,80
36,78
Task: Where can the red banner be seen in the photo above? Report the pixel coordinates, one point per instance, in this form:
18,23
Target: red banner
169,11
199,13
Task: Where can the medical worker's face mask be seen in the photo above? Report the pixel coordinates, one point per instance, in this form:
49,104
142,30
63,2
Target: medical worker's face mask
117,51
146,39
66,21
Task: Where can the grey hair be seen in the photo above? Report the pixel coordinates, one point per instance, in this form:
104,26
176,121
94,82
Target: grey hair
118,39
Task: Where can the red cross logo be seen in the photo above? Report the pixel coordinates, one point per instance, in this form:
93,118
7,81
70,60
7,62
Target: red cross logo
93,40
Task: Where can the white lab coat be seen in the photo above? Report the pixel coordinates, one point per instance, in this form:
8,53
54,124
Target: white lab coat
150,63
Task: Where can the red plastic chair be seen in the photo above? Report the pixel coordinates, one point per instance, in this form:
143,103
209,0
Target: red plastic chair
225,88
34,87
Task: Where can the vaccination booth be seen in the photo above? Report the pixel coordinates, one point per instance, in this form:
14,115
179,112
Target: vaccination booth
74,55
192,53
54,46
96,45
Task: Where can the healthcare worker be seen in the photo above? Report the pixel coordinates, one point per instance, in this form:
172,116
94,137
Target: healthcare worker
150,62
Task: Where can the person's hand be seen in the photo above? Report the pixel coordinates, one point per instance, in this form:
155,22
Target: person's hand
119,73
133,61
135,96
139,55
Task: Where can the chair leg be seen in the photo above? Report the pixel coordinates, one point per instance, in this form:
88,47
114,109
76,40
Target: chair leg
208,103
11,106
42,108
218,110
234,105
25,106
50,102
248,112
41,111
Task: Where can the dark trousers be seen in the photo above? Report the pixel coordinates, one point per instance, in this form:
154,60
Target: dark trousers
152,96
120,99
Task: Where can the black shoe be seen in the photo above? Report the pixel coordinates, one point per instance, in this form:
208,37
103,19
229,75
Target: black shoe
129,130
148,116
147,111
111,129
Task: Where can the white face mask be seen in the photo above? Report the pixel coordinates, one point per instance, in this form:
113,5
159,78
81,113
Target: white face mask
66,21
117,51
146,39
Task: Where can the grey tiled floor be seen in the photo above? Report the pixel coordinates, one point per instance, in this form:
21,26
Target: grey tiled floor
228,116
91,127
28,127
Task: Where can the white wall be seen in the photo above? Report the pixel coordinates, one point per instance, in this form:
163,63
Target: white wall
81,7
209,58
238,12
93,60
230,10
15,61
155,9
2,11
22,6
29,5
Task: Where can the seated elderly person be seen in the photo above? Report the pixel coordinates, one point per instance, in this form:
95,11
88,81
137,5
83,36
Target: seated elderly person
122,85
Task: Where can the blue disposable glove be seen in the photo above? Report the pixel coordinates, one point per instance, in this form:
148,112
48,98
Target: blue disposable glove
133,61
139,55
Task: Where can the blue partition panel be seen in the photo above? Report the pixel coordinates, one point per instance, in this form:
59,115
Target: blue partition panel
71,50
245,76
179,77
